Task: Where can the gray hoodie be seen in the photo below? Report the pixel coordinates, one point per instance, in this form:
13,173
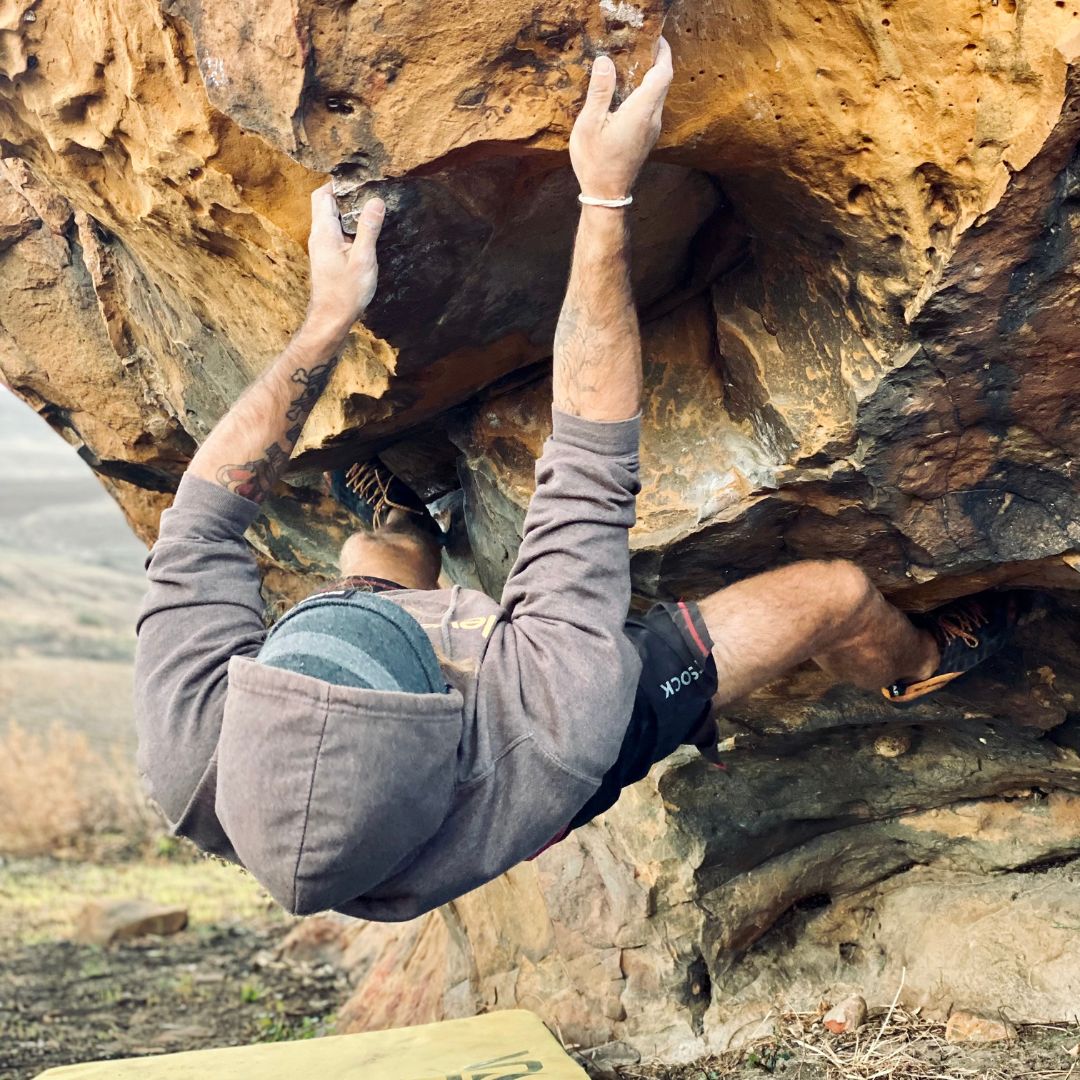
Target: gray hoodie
386,805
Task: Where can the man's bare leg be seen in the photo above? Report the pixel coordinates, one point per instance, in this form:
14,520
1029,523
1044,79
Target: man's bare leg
826,611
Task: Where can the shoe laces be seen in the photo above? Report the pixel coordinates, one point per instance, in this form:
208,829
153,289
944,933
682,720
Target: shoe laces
371,483
961,625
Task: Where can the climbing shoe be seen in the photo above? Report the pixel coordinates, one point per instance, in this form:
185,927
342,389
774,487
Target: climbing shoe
968,631
372,492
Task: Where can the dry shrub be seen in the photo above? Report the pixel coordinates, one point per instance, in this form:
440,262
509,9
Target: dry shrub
59,796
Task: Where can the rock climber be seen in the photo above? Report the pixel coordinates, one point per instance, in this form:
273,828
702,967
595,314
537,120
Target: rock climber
388,744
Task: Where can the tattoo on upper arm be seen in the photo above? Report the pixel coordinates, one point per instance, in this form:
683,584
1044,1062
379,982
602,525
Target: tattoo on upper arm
254,479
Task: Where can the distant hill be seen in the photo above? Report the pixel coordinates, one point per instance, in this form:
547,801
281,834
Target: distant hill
70,584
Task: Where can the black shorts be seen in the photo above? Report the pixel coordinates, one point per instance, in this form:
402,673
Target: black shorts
674,695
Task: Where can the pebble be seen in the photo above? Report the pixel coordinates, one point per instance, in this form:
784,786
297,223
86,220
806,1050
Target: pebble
969,1027
849,1015
103,922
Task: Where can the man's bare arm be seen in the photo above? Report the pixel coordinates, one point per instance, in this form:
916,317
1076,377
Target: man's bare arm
597,343
249,448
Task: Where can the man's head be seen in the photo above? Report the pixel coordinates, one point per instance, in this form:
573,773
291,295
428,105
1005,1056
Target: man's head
397,551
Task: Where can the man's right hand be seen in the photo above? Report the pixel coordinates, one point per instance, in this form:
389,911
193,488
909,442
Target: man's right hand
344,271
607,149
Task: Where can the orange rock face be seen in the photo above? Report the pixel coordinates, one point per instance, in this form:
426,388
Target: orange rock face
855,263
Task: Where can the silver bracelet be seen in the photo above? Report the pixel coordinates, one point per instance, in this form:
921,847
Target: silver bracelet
614,204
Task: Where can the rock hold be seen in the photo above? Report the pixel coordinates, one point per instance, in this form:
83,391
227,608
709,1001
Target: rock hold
894,744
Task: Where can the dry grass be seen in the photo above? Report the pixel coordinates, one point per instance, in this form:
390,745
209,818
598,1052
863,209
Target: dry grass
40,898
903,1047
895,1045
58,796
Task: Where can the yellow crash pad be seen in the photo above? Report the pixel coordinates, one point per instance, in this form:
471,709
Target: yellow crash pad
498,1046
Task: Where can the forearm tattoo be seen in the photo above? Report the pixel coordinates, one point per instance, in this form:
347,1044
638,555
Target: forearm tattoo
597,341
597,329
576,350
312,384
255,479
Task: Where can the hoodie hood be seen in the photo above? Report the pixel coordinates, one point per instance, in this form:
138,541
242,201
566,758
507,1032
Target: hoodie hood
326,791
351,637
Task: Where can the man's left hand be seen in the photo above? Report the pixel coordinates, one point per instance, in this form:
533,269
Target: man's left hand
607,149
344,271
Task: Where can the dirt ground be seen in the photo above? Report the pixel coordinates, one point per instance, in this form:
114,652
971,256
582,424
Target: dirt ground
218,983
221,983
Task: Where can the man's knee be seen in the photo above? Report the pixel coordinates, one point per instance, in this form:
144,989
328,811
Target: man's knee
846,593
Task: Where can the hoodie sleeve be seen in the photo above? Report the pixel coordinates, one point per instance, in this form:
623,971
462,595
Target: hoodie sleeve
203,606
568,594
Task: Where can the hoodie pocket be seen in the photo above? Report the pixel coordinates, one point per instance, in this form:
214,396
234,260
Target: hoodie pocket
324,790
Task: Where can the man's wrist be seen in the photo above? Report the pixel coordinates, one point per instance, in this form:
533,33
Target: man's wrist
611,217
602,232
320,338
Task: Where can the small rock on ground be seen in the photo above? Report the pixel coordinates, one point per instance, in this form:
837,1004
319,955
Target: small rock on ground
104,922
969,1027
848,1015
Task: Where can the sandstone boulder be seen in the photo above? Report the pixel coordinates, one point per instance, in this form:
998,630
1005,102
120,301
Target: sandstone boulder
856,252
